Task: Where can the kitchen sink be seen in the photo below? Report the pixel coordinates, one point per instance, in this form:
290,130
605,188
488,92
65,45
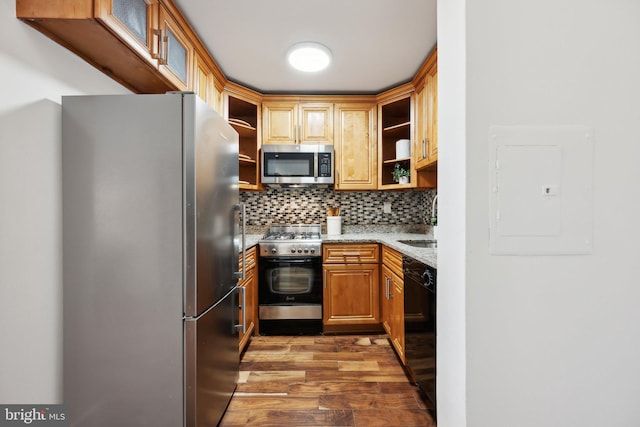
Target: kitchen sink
419,243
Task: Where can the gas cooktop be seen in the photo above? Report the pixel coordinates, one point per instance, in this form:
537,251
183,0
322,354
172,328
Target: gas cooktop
296,240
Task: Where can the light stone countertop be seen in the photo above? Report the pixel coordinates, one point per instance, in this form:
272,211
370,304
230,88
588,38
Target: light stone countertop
428,256
252,239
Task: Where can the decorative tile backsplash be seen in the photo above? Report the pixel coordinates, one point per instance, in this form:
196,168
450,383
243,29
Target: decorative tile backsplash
309,206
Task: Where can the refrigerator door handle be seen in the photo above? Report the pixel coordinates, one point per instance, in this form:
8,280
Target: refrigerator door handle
243,327
241,275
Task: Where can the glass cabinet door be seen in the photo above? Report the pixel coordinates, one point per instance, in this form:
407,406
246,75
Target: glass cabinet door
177,52
133,21
133,14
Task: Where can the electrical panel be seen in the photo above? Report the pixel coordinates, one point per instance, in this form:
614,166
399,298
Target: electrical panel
541,190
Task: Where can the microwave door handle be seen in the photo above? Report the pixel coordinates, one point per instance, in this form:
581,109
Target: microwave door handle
315,165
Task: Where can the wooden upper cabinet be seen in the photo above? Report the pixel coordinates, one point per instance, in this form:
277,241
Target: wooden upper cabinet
176,51
356,147
242,110
433,115
425,150
202,78
426,141
297,123
109,37
421,140
279,123
205,83
133,21
316,123
395,122
146,45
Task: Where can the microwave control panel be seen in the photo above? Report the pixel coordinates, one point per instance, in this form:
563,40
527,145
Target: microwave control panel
324,164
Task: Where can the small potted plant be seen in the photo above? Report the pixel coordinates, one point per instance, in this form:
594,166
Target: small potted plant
400,174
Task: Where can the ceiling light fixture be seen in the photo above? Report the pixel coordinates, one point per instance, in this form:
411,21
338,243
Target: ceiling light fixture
309,57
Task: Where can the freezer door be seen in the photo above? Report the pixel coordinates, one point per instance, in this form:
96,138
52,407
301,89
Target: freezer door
211,362
211,192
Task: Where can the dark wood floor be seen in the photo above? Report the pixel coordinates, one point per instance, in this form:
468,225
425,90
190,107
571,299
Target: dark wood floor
324,381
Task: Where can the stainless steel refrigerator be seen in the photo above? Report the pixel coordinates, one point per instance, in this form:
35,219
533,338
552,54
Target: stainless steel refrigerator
150,260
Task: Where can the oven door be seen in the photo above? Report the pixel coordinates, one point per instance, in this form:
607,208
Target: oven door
290,281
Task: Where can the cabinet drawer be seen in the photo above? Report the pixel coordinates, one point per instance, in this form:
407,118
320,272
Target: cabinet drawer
251,258
341,253
392,259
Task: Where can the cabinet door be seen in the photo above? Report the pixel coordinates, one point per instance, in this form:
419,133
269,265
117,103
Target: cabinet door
386,292
205,84
218,96
356,147
279,124
421,140
433,116
132,21
252,303
203,80
397,321
176,52
297,123
351,294
250,309
315,124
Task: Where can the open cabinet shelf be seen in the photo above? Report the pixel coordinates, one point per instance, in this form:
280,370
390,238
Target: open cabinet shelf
243,116
395,124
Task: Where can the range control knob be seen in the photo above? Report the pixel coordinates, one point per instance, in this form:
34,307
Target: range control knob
312,250
306,250
293,251
274,251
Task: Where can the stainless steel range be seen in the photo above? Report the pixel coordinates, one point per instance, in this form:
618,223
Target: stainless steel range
290,280
291,241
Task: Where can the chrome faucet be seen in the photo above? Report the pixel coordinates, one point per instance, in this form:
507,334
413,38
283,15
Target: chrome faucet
433,210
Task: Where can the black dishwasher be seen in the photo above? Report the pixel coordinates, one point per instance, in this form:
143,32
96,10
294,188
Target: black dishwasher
420,324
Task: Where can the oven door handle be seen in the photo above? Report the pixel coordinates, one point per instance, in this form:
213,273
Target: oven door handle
288,260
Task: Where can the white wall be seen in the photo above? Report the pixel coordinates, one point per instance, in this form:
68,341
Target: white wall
34,74
451,381
550,340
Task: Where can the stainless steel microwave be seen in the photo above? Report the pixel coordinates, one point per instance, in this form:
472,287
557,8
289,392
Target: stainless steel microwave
297,165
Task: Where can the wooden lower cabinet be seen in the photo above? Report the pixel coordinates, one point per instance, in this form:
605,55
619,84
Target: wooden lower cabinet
386,297
392,291
397,317
250,286
351,287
